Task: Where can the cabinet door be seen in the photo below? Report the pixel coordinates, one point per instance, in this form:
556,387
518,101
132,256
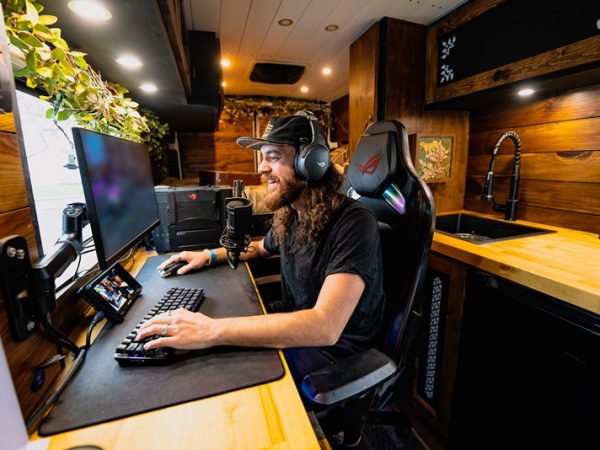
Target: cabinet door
529,368
492,43
438,355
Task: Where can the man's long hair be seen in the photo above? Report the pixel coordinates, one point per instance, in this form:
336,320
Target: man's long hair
323,199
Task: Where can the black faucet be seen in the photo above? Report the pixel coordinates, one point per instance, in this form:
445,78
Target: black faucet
510,209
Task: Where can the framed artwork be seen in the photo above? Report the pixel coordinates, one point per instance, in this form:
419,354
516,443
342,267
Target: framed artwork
432,156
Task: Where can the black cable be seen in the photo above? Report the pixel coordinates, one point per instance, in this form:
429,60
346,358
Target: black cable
59,337
73,278
88,338
80,357
60,388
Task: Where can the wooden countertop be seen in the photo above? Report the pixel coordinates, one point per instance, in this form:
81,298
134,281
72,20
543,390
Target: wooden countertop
565,264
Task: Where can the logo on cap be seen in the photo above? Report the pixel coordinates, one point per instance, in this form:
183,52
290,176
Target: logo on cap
267,131
193,196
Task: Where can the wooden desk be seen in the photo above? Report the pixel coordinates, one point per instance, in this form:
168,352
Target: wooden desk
266,416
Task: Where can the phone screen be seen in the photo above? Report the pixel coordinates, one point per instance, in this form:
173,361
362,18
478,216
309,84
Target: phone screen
114,290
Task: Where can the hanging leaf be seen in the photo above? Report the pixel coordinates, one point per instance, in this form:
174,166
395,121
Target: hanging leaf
43,32
31,83
46,72
58,54
43,58
64,114
30,39
32,13
48,20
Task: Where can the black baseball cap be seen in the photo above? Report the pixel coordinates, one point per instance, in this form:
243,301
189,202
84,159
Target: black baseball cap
290,130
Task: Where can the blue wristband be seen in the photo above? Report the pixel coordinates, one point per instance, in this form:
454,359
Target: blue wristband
213,256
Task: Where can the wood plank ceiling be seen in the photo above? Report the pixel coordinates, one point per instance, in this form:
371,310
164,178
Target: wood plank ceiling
249,32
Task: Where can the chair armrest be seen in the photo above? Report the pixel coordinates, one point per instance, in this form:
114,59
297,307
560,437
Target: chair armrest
268,279
347,377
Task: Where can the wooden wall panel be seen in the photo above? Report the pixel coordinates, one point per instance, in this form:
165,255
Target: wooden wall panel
340,109
24,356
405,71
582,134
572,166
7,123
12,181
560,166
217,151
449,196
563,196
572,105
364,67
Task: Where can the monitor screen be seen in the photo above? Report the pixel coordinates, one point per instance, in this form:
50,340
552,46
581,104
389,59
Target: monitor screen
119,191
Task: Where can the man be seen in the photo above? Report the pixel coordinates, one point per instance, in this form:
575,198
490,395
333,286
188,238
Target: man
330,263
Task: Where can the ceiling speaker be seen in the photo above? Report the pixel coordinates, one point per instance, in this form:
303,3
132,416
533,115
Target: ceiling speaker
276,73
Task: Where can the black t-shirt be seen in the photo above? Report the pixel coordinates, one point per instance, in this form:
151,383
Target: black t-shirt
348,244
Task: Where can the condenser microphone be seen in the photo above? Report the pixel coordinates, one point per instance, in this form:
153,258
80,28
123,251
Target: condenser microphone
236,234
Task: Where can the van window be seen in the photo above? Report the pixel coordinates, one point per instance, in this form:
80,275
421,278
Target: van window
53,184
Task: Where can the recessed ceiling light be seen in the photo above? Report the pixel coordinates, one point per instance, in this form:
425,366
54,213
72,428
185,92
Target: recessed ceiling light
129,61
332,27
224,84
285,22
326,70
90,10
225,62
304,89
526,92
149,88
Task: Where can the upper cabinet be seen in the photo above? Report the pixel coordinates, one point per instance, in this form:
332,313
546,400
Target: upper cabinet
491,43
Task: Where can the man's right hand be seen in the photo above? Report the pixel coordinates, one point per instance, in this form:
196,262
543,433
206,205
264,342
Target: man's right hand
194,260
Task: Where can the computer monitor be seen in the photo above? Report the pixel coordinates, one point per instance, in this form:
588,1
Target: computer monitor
119,191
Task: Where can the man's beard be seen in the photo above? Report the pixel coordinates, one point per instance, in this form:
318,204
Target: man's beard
287,192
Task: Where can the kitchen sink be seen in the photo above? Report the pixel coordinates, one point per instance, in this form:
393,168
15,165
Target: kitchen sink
480,230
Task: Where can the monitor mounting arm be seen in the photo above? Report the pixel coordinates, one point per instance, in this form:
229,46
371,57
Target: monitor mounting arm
28,289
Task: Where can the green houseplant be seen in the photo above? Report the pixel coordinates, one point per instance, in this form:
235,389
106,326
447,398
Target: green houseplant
45,61
237,107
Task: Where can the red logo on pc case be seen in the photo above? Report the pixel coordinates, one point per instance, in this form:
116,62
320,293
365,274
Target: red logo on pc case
371,165
193,196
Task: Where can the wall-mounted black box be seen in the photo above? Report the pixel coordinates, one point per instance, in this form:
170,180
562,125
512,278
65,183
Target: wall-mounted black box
191,217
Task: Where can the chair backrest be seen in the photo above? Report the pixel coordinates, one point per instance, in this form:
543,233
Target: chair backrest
381,168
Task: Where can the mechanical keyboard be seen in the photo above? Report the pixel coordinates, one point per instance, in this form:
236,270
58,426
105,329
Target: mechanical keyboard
131,353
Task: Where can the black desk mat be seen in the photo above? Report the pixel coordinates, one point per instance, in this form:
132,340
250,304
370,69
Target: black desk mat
102,390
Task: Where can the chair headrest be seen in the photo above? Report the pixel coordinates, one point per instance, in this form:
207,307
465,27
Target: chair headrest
374,164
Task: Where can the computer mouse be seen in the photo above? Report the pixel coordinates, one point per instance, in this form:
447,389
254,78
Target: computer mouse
171,269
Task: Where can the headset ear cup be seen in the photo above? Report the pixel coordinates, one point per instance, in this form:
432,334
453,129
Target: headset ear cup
312,162
299,164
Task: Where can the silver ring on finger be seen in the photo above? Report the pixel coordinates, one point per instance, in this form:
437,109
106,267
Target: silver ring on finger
164,329
169,313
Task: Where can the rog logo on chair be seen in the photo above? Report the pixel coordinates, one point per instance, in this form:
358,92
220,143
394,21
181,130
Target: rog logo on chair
370,165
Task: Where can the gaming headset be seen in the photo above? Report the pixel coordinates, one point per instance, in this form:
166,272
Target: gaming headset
312,158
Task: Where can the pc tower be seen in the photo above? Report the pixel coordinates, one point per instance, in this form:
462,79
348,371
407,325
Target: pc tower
191,217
